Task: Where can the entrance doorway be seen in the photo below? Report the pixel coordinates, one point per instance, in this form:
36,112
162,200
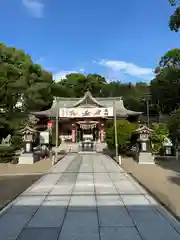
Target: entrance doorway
87,129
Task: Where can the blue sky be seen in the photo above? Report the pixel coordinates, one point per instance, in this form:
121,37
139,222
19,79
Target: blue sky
118,39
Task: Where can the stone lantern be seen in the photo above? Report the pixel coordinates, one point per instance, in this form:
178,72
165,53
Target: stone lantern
29,134
145,155
168,146
28,138
144,134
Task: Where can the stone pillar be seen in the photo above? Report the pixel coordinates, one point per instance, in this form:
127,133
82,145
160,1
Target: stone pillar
28,147
73,133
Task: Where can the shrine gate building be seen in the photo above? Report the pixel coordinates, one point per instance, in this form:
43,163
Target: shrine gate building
82,117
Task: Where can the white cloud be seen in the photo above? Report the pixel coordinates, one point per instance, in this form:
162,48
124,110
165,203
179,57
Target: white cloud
35,7
62,74
127,68
81,70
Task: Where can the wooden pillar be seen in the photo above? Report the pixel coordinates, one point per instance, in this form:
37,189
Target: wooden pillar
73,133
102,135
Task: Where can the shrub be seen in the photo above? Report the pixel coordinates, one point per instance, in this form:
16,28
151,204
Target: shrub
6,153
17,141
125,131
174,125
159,135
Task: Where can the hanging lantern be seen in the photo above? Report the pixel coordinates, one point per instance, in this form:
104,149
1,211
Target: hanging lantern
50,124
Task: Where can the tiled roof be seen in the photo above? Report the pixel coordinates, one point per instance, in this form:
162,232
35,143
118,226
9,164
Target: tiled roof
88,101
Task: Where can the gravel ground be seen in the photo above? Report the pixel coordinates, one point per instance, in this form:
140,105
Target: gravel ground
161,179
14,179
38,167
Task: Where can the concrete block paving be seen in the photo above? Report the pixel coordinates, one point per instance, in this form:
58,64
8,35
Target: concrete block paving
86,197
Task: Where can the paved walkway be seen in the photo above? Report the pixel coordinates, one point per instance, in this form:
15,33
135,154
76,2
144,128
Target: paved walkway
87,197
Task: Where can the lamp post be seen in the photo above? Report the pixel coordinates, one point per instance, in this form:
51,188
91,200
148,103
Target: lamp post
147,98
147,101
115,130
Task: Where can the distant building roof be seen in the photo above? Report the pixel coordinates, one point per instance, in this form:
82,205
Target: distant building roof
87,101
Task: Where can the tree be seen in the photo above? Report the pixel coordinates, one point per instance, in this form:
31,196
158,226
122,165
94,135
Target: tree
60,90
165,88
76,84
161,132
23,84
24,87
111,89
170,60
132,94
37,93
174,125
174,22
125,130
96,84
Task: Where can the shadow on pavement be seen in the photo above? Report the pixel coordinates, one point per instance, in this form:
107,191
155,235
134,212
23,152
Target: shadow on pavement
13,185
104,216
174,166
87,198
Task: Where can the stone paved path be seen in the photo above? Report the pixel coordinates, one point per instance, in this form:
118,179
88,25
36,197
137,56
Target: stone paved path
87,197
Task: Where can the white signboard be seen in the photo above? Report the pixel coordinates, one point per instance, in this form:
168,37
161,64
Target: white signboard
85,112
44,137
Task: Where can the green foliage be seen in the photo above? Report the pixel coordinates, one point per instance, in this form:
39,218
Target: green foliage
171,59
27,87
24,86
165,88
174,22
160,133
75,85
125,130
6,153
109,124
17,142
174,125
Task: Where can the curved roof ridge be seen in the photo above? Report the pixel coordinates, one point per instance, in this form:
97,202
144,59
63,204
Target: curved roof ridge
120,108
86,96
97,98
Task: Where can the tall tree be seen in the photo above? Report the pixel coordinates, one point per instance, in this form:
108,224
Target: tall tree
165,88
37,93
76,84
170,60
174,22
24,86
22,83
96,84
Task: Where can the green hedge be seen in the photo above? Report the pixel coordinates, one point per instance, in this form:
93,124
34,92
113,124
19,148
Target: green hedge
17,141
125,131
6,153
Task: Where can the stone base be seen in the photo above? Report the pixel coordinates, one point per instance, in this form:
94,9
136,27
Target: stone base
146,158
26,158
